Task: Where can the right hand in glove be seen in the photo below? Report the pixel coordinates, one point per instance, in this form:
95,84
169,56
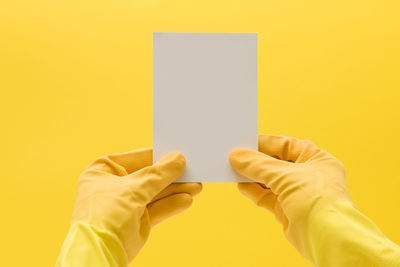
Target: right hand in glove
305,188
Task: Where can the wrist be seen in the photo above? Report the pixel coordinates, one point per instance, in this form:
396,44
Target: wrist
96,245
339,231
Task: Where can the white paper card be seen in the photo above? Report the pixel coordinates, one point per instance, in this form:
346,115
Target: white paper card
205,100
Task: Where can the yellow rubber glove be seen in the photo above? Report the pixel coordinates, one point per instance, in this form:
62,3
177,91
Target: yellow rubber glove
305,188
120,197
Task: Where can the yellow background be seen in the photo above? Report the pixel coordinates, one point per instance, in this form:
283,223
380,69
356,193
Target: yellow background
76,83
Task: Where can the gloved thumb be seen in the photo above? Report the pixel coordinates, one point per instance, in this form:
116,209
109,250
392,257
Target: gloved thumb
260,167
153,179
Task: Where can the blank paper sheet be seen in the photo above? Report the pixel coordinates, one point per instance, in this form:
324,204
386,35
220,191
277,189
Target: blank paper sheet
205,100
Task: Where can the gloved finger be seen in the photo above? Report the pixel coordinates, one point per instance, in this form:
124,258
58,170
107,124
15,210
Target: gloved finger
287,148
134,160
253,191
189,188
260,168
123,163
168,206
153,179
262,197
265,198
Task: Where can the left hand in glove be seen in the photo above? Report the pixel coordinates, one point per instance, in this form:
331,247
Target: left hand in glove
124,195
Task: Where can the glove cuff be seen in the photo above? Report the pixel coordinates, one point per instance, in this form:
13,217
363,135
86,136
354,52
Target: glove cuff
89,245
340,235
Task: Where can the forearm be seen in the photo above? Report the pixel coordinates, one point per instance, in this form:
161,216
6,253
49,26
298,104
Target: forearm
340,235
88,245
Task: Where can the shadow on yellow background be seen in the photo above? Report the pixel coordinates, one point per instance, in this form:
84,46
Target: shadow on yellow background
76,83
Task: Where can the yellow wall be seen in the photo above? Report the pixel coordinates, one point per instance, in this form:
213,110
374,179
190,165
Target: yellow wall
76,83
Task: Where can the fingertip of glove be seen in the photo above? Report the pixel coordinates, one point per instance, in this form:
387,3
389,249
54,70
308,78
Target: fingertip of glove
174,160
238,154
240,186
246,186
178,156
196,188
186,198
181,201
